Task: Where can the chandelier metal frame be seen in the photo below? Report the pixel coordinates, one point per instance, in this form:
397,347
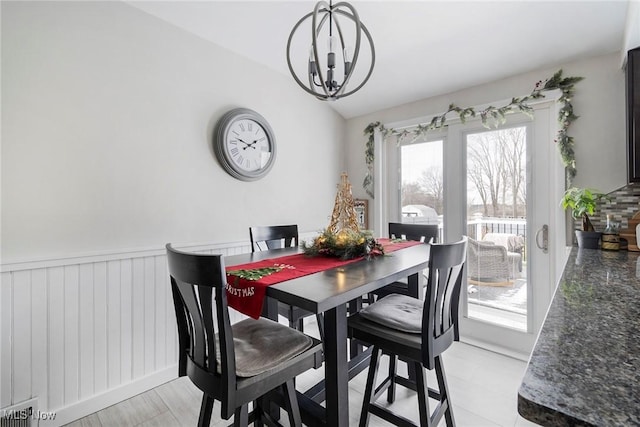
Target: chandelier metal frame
331,90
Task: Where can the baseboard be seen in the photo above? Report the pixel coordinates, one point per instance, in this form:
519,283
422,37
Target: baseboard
495,348
111,397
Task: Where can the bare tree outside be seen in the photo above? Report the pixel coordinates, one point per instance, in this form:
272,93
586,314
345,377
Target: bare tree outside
496,173
432,184
486,170
412,194
496,170
513,147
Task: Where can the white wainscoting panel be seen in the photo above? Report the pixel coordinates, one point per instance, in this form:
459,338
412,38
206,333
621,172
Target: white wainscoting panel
79,332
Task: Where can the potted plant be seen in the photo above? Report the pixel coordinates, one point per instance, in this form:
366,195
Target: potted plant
583,202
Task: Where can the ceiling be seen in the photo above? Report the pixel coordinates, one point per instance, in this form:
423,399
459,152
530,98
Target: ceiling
423,48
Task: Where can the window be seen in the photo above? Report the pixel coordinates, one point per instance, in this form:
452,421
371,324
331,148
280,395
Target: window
421,183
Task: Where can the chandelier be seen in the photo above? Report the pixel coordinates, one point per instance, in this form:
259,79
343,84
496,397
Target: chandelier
328,80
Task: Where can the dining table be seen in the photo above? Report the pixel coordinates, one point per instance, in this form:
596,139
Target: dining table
335,292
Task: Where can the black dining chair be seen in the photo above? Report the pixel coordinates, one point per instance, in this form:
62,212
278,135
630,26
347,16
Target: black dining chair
276,237
417,331
425,233
248,361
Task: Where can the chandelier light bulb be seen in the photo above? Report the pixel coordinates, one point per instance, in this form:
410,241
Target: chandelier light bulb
313,70
348,52
347,60
332,43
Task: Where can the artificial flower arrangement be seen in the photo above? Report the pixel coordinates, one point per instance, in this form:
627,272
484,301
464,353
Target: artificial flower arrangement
345,244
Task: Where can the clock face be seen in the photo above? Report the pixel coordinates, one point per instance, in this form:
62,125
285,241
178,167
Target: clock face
244,144
248,145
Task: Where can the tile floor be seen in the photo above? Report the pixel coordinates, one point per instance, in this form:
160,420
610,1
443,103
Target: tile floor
483,387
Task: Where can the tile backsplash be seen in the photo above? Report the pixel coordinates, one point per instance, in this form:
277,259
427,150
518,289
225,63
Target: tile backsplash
624,203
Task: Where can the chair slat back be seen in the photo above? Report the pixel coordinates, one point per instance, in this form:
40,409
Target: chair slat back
198,286
273,237
440,313
416,232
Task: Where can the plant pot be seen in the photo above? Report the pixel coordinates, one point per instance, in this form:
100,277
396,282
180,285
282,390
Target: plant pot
588,239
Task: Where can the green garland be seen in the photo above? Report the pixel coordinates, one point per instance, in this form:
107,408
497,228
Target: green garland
257,273
498,116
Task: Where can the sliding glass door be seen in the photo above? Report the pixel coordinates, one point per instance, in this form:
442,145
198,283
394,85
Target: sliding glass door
496,207
498,187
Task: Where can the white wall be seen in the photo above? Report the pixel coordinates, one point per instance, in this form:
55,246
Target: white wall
632,29
599,133
106,140
107,121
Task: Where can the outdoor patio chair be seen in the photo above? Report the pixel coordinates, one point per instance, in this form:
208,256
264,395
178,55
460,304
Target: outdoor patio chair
491,264
513,242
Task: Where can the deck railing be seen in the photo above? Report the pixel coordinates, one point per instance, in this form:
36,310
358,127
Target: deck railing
478,226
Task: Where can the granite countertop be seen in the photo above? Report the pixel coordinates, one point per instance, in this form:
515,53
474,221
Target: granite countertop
585,366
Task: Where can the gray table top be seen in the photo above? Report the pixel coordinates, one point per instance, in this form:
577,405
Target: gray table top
585,366
324,290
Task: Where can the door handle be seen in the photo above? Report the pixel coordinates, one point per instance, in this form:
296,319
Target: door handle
544,232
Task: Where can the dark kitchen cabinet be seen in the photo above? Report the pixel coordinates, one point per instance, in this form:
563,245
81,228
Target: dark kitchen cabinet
633,113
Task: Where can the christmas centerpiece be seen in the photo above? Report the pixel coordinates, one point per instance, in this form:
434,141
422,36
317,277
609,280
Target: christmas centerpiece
343,238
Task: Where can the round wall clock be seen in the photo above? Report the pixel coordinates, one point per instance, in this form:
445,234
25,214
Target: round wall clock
244,144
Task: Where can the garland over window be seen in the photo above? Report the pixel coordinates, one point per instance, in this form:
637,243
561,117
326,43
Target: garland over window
496,116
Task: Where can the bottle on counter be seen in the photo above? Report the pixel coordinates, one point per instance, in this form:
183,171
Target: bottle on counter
611,236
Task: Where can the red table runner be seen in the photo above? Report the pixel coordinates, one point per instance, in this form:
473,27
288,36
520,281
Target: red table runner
246,293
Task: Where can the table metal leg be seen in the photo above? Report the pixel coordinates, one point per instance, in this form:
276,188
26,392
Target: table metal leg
336,368
270,308
415,283
355,348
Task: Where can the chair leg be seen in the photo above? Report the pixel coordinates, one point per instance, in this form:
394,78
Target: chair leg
241,416
258,408
444,392
368,392
291,404
206,408
265,413
391,391
423,395
411,371
320,321
292,322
